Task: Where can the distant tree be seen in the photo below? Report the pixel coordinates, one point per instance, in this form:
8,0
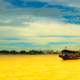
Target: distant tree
31,52
13,52
23,52
4,52
35,52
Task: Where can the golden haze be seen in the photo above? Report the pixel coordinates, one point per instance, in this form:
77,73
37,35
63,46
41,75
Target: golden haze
39,67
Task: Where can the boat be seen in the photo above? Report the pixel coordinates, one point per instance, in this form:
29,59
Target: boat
69,54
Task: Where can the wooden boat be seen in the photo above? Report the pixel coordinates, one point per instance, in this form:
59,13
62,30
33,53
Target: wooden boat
68,54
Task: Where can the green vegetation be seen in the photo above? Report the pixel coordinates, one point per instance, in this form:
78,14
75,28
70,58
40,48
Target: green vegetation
31,52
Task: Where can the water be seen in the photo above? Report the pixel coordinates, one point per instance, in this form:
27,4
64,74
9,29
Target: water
39,67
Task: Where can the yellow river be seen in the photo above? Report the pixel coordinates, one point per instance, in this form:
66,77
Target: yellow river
38,67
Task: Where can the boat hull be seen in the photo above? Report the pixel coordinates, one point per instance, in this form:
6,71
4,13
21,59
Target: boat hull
69,57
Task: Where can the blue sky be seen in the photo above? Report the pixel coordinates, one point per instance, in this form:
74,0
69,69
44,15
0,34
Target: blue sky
39,24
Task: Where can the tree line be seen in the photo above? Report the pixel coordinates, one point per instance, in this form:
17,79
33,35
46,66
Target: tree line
31,52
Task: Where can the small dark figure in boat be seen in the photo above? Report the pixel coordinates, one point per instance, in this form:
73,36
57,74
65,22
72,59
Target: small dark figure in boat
68,54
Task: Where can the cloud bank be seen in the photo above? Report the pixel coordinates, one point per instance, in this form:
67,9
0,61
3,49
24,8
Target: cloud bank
39,24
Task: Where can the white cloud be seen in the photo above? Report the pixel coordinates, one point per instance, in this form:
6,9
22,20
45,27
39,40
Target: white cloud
49,27
41,27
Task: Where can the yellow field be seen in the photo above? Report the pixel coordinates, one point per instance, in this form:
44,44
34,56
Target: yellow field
39,67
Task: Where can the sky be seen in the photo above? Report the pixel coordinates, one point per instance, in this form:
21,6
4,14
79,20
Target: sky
39,24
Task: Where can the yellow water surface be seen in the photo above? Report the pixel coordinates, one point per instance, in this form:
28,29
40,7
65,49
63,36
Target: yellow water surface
38,67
